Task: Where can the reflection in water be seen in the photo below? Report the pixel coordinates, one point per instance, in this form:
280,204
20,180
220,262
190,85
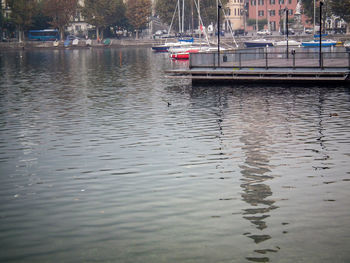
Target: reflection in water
255,173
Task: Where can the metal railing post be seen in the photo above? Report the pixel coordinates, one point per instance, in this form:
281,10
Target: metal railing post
240,60
267,65
349,59
293,53
214,60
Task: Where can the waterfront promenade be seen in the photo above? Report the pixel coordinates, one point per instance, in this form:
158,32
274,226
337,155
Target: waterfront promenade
267,65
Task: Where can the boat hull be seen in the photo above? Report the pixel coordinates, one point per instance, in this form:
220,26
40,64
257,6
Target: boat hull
290,43
317,44
258,44
160,48
183,55
67,43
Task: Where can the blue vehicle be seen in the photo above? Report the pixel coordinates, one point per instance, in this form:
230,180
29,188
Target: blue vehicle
44,35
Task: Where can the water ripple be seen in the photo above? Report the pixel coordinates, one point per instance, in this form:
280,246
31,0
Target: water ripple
103,159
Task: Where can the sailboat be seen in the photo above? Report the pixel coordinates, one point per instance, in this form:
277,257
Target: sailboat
184,52
181,42
316,43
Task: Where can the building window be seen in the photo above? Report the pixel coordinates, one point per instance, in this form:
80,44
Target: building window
261,13
272,12
281,2
272,2
290,2
290,12
260,2
253,2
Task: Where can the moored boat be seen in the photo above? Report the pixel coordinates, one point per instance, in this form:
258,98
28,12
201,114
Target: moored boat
161,48
165,47
75,42
316,43
184,53
67,43
290,43
259,43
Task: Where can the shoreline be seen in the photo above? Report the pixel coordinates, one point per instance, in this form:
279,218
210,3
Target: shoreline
144,42
49,44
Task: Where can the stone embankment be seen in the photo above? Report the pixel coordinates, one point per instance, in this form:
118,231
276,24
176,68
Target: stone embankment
82,44
146,42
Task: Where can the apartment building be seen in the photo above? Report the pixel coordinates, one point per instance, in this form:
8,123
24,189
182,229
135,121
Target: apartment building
273,11
78,26
235,15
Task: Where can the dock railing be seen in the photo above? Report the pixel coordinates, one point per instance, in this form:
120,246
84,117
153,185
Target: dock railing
263,58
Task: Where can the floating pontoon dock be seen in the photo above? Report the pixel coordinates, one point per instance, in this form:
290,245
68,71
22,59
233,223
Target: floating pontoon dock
262,66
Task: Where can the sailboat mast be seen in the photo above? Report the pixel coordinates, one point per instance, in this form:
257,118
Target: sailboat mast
178,4
199,23
192,19
183,16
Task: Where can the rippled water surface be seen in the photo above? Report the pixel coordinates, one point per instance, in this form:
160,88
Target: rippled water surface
103,159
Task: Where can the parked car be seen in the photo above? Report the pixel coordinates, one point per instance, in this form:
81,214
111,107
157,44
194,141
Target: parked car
290,31
158,33
240,32
72,37
309,30
264,32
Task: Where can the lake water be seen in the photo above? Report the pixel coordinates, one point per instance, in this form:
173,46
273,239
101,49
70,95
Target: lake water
103,159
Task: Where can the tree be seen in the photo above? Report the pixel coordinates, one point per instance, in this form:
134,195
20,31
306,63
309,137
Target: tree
40,21
1,17
308,6
22,14
103,13
138,13
261,23
1,22
61,12
342,9
209,11
165,10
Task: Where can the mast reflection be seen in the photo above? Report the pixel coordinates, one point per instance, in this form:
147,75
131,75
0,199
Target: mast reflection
255,172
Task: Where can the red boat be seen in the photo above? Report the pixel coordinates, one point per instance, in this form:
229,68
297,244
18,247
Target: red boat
183,55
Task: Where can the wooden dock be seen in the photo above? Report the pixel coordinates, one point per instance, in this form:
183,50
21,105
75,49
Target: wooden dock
267,67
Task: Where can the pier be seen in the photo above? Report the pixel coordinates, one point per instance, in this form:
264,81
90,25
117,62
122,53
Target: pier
263,65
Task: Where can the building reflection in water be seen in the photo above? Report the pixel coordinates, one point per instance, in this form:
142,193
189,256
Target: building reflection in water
255,172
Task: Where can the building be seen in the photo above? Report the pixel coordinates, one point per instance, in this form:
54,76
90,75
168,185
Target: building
78,26
5,8
235,13
273,12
